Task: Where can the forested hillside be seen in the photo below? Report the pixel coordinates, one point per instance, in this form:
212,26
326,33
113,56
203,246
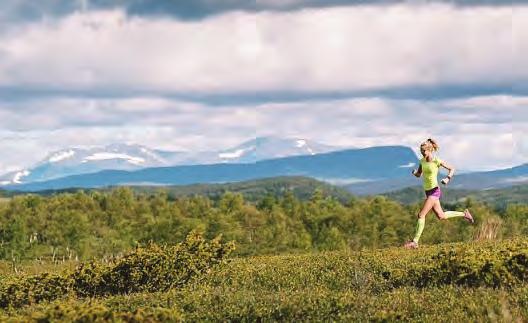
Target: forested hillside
97,224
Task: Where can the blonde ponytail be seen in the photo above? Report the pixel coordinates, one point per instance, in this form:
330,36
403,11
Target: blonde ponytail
430,145
434,144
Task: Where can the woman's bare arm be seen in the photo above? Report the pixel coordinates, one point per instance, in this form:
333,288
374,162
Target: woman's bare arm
417,172
451,170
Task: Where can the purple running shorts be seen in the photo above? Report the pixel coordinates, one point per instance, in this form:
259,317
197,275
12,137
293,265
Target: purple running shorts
436,192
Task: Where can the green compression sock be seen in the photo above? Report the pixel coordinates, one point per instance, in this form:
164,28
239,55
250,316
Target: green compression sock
453,214
419,229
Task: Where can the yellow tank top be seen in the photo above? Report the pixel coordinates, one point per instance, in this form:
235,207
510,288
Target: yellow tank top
430,172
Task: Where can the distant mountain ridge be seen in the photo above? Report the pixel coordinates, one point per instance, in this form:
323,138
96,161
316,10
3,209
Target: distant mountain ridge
468,181
72,161
365,171
252,190
352,165
129,157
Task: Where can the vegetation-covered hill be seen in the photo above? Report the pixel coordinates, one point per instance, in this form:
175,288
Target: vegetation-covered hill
301,187
477,281
253,190
301,253
101,224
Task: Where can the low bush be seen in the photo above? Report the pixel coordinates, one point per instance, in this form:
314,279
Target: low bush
154,268
72,310
490,264
482,281
150,268
485,264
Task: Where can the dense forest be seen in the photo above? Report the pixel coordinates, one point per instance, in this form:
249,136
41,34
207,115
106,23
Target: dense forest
253,190
94,224
303,187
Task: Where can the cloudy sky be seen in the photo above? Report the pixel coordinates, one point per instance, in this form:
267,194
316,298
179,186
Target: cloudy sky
209,74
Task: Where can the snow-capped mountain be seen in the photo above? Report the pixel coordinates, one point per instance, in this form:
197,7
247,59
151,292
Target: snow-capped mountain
262,148
345,166
370,170
251,151
76,161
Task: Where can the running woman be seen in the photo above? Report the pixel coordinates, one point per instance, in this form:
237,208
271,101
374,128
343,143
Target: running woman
429,166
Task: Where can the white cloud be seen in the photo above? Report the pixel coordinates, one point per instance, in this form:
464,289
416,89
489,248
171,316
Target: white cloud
329,49
31,129
343,48
472,134
475,133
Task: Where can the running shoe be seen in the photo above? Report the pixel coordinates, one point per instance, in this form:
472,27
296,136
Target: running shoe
411,245
468,216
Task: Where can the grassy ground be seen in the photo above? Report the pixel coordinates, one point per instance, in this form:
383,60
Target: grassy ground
484,282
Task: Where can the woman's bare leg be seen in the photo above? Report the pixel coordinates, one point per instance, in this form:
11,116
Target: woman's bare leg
437,208
428,205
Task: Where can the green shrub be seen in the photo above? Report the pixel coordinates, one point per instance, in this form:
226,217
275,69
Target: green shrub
435,283
486,264
153,268
34,289
95,311
492,264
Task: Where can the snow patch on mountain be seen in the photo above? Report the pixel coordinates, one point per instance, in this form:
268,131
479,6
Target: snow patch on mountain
17,179
300,143
153,155
409,165
61,156
231,155
234,154
107,156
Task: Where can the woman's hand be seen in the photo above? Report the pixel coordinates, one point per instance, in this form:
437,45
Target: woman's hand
445,180
417,172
